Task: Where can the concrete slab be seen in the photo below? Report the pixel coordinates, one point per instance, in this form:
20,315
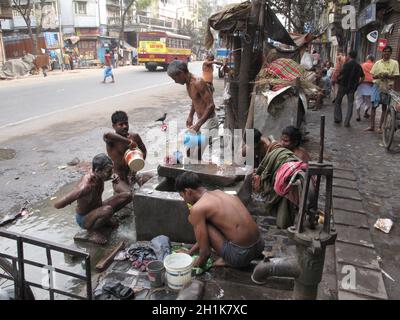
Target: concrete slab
355,255
162,213
337,182
343,167
159,209
84,236
345,175
357,236
344,295
218,175
243,277
346,193
347,204
348,218
327,289
224,290
367,283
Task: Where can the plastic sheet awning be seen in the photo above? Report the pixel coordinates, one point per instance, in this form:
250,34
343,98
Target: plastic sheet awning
235,17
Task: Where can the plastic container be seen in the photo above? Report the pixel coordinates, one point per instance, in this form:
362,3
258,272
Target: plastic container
156,273
134,159
193,140
178,267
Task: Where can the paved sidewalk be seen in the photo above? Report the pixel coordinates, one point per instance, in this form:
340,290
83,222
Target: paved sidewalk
357,158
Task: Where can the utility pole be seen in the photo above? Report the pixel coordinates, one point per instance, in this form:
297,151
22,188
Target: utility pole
60,35
245,64
290,15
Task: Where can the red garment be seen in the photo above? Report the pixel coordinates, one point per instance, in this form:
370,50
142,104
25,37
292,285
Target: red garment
283,175
340,61
367,67
107,57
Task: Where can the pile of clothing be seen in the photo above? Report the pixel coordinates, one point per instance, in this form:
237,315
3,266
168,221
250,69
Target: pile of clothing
141,255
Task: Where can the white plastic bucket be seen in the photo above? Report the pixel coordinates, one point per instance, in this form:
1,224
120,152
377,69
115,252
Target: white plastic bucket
178,267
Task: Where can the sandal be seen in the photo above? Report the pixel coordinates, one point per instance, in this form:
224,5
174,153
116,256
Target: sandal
119,291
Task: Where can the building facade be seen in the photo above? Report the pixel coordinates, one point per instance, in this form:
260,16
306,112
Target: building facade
374,20
87,27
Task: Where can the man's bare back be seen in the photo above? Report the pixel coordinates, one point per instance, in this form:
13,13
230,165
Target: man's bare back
228,214
90,188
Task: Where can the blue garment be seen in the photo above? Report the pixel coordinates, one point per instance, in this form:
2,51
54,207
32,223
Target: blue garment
376,96
108,72
80,220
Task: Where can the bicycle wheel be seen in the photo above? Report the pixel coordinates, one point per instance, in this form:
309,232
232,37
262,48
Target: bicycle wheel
6,284
389,127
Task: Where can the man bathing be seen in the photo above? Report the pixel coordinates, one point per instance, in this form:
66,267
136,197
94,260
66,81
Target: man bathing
202,102
117,143
92,213
221,222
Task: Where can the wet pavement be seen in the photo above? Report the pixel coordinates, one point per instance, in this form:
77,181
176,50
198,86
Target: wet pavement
37,171
373,175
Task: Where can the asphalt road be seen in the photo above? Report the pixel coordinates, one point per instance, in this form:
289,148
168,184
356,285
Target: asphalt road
30,104
46,122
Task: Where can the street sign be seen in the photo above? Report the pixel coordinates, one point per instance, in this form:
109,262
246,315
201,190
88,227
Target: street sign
382,43
373,36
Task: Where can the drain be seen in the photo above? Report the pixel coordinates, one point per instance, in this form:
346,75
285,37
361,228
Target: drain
7,154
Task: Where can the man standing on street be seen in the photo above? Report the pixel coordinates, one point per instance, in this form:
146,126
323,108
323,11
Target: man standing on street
384,72
208,71
108,68
365,88
349,79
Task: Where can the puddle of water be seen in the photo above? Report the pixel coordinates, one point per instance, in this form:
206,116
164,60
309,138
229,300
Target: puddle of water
7,154
59,226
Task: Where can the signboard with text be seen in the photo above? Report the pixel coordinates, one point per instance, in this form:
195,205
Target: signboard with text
367,15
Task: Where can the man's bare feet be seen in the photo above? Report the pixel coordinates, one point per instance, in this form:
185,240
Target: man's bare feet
369,129
220,263
97,238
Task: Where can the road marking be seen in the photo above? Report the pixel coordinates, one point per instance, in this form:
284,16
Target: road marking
84,104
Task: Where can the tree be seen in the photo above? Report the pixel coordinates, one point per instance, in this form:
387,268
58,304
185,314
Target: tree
299,13
39,21
126,6
25,7
28,8
197,35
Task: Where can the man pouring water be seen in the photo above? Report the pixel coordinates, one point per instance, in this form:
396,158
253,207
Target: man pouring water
202,100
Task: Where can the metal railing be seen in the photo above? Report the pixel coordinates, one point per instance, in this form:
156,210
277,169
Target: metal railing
19,262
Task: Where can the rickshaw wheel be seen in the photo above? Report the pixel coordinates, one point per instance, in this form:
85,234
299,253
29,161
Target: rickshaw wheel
389,128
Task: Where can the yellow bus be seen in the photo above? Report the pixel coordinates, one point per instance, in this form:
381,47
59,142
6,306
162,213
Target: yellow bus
158,49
